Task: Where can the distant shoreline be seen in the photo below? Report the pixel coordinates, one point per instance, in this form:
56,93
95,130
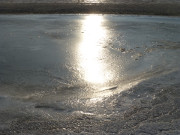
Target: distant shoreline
101,8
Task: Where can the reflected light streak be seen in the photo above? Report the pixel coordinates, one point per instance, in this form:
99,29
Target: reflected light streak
91,51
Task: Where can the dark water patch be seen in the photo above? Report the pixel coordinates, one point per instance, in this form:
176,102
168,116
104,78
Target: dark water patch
168,45
55,107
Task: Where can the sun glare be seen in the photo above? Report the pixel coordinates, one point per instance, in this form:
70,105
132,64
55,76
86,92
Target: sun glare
90,1
91,50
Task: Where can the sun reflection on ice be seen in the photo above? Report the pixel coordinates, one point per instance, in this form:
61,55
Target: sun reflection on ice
91,51
95,62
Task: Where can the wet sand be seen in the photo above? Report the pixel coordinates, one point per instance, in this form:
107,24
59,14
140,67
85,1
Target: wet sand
103,8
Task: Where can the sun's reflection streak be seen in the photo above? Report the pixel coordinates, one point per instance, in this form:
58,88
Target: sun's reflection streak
91,52
95,62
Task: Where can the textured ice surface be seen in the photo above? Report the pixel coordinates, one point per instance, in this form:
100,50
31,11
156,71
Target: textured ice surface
43,89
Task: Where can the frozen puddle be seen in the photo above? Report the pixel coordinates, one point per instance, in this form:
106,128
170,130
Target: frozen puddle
89,74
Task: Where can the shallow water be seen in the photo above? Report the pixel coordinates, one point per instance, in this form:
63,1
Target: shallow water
89,74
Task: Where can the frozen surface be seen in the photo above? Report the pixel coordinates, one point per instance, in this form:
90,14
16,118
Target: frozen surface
89,74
